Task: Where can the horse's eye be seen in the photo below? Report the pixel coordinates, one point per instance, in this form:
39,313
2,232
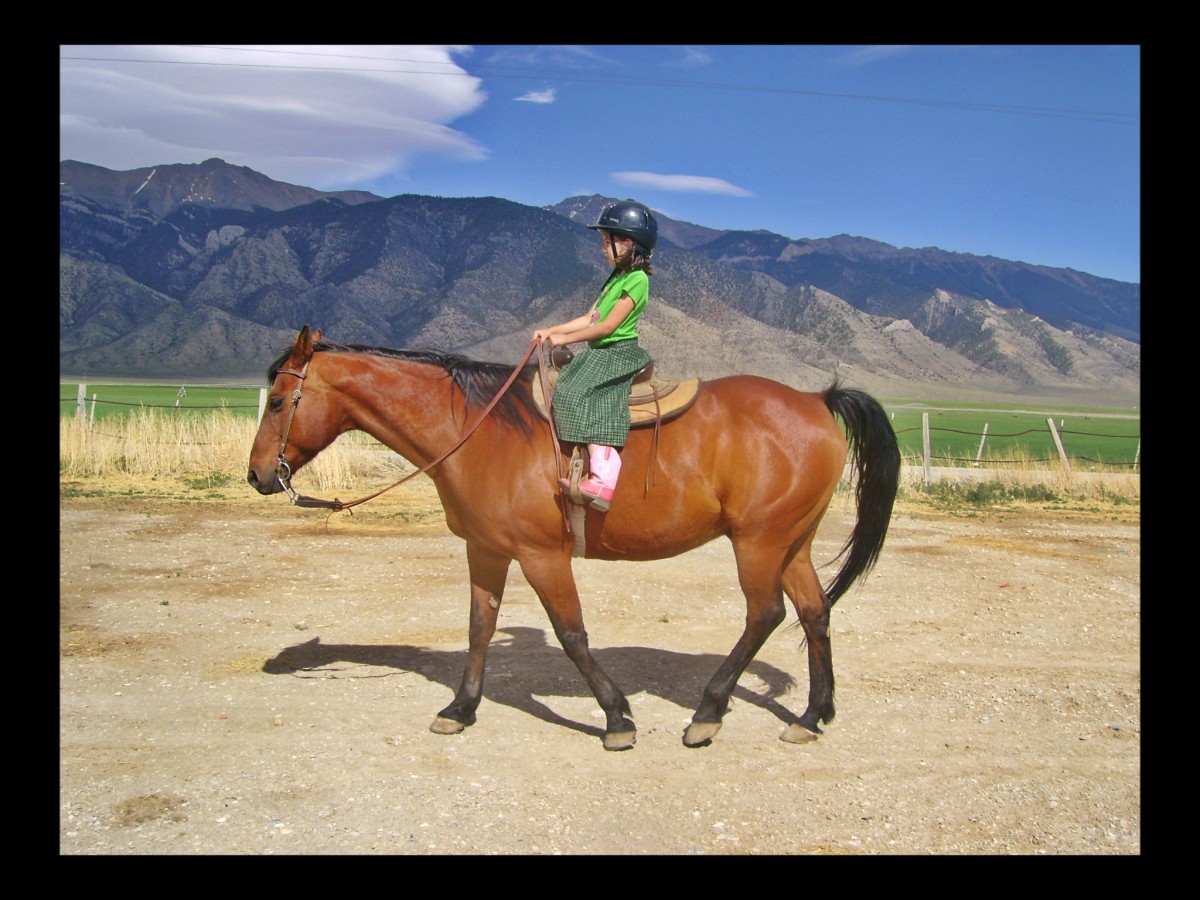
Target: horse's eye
275,404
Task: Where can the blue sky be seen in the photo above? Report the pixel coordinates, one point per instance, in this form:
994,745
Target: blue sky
1029,153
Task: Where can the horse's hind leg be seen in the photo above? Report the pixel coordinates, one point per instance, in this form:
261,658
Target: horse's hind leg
488,574
759,570
803,587
554,583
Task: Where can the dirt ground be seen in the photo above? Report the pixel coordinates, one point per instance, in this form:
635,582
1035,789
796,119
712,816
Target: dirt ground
240,676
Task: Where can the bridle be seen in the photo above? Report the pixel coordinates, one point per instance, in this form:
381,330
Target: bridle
283,472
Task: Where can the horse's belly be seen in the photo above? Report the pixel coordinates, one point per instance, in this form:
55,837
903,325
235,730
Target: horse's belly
608,536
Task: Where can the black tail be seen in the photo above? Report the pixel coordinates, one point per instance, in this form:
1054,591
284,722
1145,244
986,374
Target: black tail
875,455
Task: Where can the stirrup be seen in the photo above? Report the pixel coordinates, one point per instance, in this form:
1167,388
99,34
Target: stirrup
575,473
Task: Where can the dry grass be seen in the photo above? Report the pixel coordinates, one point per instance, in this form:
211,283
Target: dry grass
213,450
216,446
1019,477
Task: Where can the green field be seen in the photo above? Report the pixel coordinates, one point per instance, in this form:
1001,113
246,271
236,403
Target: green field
1109,437
121,399
1089,437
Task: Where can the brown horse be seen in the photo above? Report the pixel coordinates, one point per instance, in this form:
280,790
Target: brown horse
752,459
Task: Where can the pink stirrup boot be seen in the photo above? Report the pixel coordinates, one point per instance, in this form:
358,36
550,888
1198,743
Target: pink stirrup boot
605,465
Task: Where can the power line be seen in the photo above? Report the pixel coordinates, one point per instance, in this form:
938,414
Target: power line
512,72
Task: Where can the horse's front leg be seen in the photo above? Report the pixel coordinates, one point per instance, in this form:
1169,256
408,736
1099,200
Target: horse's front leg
553,581
489,572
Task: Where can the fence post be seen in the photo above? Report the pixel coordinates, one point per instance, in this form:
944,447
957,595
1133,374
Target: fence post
925,442
1058,443
262,402
80,398
92,417
979,454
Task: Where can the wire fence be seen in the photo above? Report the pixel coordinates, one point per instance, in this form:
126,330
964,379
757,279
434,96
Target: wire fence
1029,447
1109,451
176,406
240,399
1133,463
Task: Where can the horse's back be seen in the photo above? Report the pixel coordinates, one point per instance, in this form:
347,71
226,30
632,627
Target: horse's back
746,413
756,395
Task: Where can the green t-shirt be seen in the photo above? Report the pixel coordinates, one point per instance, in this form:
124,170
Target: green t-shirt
637,285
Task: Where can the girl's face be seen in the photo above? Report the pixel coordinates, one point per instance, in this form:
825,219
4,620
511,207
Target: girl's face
615,246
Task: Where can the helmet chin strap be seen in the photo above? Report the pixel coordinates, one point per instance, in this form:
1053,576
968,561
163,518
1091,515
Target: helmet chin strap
610,241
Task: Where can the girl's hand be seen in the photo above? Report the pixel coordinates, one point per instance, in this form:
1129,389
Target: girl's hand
551,337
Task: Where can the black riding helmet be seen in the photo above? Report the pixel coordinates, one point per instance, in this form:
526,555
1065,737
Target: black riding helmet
630,219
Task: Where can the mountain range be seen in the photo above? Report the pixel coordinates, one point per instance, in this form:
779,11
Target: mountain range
206,271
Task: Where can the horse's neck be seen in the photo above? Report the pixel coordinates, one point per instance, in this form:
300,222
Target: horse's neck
412,408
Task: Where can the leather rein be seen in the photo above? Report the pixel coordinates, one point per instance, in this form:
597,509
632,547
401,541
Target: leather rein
283,471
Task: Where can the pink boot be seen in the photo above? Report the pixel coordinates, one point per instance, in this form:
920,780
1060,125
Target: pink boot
605,465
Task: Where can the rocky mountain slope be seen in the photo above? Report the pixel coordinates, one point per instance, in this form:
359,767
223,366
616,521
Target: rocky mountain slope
214,280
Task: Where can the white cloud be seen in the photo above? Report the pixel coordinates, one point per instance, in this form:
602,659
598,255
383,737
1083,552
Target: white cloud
549,95
695,184
865,55
692,57
326,116
569,56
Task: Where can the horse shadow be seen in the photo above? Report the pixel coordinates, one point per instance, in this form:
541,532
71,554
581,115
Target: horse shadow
521,663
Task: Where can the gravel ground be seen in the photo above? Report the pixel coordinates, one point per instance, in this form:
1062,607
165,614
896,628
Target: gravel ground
242,677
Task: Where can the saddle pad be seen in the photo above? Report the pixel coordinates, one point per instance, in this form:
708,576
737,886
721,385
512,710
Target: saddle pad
673,398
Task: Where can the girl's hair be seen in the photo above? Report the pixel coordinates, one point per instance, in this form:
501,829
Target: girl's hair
632,261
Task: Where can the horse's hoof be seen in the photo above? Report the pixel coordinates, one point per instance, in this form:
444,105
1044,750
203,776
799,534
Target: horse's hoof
442,725
620,740
798,734
700,734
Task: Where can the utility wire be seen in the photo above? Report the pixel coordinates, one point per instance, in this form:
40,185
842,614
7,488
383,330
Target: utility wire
498,71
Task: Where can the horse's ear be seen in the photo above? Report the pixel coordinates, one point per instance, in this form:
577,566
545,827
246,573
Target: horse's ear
317,335
304,342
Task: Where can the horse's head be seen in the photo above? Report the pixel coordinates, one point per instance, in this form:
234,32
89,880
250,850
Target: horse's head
291,433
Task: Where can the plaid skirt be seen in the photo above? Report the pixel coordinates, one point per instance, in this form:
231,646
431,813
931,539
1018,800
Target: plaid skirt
591,398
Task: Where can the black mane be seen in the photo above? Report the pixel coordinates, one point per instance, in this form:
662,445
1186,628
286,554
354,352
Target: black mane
479,381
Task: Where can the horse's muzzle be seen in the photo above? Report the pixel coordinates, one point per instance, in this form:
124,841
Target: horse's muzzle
268,485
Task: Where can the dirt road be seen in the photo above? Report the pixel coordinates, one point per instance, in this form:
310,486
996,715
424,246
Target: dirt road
244,677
